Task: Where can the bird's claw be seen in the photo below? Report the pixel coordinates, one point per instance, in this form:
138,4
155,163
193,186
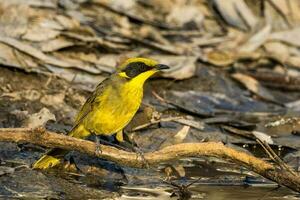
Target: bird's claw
98,149
140,154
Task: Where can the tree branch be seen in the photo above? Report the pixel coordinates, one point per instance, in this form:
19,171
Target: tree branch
50,139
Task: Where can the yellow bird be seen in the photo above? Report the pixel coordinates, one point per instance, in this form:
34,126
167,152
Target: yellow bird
110,107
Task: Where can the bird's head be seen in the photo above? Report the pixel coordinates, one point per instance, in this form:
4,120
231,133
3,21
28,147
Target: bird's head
139,69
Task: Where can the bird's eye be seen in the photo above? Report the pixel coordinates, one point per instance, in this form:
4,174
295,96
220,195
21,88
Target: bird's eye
132,72
136,68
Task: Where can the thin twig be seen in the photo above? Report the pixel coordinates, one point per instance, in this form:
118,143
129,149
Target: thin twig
279,160
275,157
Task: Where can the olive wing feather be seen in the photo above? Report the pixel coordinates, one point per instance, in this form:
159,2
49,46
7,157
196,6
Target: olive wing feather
91,102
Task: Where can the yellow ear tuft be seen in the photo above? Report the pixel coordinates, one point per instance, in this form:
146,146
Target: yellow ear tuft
123,74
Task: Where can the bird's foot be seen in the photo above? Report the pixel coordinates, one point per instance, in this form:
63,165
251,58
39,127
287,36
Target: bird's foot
98,149
140,155
131,145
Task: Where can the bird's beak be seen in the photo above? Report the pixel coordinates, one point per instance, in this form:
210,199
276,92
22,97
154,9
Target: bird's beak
160,67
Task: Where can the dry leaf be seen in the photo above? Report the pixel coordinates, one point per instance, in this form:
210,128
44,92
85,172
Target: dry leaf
256,40
178,137
236,13
254,86
278,50
181,135
181,67
291,37
38,34
30,50
55,44
11,24
263,137
181,15
67,22
39,119
87,81
122,5
220,58
8,56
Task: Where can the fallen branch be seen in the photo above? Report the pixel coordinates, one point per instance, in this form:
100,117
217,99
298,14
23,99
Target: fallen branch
50,139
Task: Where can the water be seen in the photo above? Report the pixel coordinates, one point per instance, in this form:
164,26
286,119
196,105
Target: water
207,192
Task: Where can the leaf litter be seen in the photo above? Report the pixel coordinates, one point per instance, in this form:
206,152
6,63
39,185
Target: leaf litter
234,71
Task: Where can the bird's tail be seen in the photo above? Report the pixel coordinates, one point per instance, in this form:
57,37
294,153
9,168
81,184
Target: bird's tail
51,159
54,156
46,162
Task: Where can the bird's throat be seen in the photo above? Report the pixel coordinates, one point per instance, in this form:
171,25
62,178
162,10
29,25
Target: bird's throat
139,80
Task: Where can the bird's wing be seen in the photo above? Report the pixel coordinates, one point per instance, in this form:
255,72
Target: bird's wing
91,102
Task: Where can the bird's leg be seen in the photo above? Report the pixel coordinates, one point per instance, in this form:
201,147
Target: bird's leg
140,154
98,150
132,145
99,141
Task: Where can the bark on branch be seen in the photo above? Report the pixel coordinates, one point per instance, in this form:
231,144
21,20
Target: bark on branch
50,139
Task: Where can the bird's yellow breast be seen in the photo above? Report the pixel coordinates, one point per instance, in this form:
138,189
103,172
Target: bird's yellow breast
117,107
